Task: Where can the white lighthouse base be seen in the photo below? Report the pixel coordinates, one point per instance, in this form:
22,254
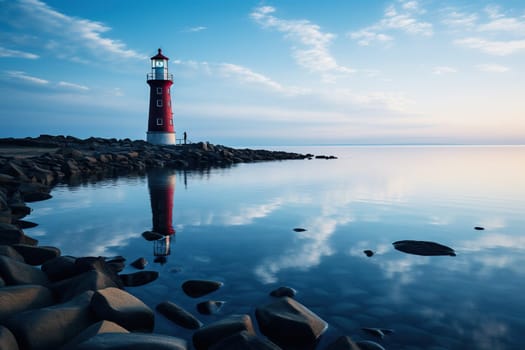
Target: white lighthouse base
161,138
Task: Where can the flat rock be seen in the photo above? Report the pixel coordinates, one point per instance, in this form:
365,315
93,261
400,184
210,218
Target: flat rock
119,306
343,343
36,255
289,323
283,292
132,341
140,263
210,307
178,315
93,330
14,272
213,333
199,288
7,339
15,299
138,278
425,248
244,341
23,224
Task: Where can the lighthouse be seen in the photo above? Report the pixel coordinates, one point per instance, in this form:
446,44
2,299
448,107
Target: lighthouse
160,122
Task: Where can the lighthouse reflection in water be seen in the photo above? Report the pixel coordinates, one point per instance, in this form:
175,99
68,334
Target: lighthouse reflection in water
161,185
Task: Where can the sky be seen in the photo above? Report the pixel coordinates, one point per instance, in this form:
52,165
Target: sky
268,72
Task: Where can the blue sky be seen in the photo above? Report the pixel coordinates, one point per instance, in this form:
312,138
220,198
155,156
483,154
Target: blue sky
268,72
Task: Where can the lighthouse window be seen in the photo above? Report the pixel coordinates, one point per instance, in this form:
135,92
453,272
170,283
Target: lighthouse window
159,121
159,103
171,121
159,91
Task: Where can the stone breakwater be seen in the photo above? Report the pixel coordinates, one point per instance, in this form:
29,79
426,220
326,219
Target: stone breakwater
53,301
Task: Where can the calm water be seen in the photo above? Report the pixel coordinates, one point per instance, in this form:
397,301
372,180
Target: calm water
236,225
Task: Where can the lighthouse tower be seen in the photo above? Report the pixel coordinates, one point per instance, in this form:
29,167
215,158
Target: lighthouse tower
160,121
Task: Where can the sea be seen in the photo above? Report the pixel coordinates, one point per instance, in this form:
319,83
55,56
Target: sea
305,224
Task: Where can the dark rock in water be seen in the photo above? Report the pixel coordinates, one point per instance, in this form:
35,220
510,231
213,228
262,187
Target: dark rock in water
124,309
100,327
15,299
298,229
283,292
423,248
24,224
15,272
479,228
245,341
289,323
7,339
60,268
213,333
11,234
99,264
36,196
343,343
210,307
368,252
87,281
132,341
152,236
36,255
140,263
116,263
377,332
178,315
7,250
199,288
138,278
368,345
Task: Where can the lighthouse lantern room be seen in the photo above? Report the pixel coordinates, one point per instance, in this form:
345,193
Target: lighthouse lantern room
160,122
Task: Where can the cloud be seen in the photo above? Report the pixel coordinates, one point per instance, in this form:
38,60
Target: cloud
492,68
404,20
16,53
19,75
443,70
195,29
498,48
71,36
313,54
65,84
460,19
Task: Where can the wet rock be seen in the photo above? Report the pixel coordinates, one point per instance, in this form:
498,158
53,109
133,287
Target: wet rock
368,252
51,327
138,278
36,196
343,343
119,306
7,250
244,341
36,255
479,228
289,323
377,332
116,263
14,272
7,339
152,236
132,341
178,315
15,299
199,288
283,292
425,248
210,307
299,229
100,327
213,333
140,263
59,268
98,264
23,224
88,281
368,345
11,234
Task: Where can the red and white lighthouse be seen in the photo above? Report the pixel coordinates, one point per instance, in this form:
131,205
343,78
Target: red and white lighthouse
160,122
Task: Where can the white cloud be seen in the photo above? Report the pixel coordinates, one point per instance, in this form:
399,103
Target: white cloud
246,75
26,78
314,54
443,70
68,85
498,48
365,37
504,24
492,68
462,20
16,53
195,29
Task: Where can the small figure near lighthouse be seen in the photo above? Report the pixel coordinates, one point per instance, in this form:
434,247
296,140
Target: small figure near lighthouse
160,122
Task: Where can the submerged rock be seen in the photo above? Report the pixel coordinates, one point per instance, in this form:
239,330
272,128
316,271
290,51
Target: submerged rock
425,248
178,315
378,332
479,228
283,292
299,229
140,263
138,278
368,252
213,333
210,307
199,288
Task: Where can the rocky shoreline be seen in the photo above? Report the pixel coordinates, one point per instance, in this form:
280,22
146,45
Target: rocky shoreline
53,301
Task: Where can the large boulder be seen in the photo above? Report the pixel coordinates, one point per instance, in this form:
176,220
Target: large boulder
7,250
132,341
93,330
199,288
11,234
98,264
15,299
59,268
244,341
36,255
14,272
51,327
213,333
7,339
178,315
119,306
289,323
90,280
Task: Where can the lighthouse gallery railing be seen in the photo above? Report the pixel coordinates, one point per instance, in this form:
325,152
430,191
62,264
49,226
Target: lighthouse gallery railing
163,76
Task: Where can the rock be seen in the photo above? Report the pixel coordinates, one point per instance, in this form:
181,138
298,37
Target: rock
369,345
210,307
244,341
36,255
116,263
152,236
87,281
36,196
7,250
178,315
298,229
211,334
286,322
119,306
11,234
132,341
60,268
15,299
479,228
51,327
423,248
343,343
368,252
138,278
377,332
98,264
199,288
283,292
140,263
7,339
23,224
93,330
14,272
